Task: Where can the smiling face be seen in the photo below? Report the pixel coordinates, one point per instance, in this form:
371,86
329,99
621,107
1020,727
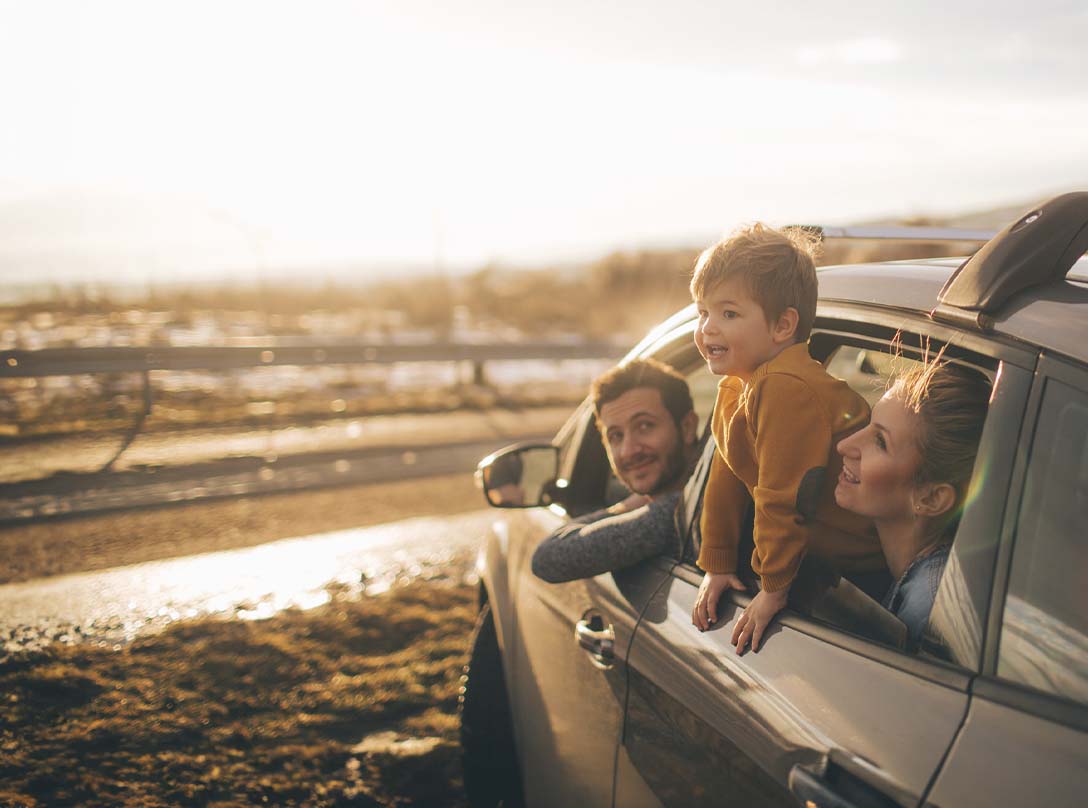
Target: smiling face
733,334
880,463
645,446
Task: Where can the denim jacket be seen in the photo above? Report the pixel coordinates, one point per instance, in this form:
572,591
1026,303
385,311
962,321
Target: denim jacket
911,598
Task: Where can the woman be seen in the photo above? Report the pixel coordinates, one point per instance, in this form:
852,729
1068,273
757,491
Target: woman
908,470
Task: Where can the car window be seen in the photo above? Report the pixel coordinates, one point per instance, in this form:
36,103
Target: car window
865,363
867,369
1044,631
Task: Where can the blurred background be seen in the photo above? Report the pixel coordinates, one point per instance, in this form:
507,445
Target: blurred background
410,173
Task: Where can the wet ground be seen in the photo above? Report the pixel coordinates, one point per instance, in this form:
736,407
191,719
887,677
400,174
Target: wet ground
115,606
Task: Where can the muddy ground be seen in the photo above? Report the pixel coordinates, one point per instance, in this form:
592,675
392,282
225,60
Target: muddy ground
352,703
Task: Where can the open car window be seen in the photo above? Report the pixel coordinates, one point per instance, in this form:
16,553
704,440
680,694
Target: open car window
819,593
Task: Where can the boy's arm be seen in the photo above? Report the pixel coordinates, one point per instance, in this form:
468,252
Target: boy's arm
583,550
793,442
724,503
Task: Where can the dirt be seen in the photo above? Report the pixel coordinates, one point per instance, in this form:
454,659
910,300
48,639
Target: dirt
352,703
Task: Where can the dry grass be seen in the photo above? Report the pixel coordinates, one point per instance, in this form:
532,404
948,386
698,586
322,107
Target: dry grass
232,713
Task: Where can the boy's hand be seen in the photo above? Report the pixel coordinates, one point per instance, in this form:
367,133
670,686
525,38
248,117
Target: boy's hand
754,620
714,584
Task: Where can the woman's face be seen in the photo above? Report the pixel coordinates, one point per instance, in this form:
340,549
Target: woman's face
879,463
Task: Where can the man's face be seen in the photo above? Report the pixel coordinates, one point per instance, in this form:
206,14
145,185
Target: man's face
645,447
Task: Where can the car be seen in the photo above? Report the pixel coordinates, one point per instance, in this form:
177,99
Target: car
601,692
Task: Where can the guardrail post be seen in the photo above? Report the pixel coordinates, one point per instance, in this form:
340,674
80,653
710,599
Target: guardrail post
479,378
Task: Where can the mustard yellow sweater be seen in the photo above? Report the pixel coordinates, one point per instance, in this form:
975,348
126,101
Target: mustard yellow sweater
776,439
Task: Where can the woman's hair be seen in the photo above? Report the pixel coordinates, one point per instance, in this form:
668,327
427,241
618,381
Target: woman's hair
951,402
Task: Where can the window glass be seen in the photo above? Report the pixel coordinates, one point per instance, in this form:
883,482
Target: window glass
866,370
1044,633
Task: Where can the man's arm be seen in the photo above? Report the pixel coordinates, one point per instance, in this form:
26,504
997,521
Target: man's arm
583,550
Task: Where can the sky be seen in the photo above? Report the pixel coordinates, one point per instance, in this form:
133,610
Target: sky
165,141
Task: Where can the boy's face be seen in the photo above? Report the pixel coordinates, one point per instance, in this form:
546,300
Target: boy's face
733,334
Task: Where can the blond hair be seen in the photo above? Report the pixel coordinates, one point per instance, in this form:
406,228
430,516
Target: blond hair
951,402
777,266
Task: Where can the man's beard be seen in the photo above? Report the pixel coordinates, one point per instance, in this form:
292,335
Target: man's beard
676,464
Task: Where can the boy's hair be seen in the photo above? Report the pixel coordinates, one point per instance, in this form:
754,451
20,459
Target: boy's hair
637,373
778,267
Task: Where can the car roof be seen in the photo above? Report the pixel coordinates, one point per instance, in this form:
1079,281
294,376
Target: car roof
1053,316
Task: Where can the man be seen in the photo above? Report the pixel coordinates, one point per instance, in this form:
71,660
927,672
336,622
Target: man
649,427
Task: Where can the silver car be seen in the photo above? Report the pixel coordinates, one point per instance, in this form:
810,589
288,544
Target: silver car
601,692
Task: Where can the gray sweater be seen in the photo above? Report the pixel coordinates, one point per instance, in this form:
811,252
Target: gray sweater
600,542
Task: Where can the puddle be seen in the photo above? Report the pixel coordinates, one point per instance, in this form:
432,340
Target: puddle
112,607
392,743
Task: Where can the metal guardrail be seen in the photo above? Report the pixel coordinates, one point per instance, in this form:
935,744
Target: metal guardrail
299,353
890,232
75,361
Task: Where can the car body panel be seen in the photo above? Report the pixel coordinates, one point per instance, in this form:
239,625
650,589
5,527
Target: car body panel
568,706
1006,756
793,702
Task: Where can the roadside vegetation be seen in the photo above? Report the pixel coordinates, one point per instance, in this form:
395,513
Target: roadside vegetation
350,704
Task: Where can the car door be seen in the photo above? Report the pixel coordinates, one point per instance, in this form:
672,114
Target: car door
569,672
1025,740
833,716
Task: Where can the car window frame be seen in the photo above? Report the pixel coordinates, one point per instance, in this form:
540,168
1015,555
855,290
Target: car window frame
873,327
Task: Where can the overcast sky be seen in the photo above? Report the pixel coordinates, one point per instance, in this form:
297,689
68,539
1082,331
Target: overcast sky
181,139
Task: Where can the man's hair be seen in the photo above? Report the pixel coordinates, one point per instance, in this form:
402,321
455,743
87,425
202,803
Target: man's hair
637,373
777,266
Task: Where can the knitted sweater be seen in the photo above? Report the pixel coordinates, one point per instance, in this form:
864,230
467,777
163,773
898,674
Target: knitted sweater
776,439
602,542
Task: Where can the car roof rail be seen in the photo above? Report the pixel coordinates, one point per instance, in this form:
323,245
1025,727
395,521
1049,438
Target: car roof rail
896,232
1037,249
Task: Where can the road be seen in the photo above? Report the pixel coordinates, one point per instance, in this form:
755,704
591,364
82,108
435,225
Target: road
61,477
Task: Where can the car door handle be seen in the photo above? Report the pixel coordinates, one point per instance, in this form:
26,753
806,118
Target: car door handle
814,792
595,637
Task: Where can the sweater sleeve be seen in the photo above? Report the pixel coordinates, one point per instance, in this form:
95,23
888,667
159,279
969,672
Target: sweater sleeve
792,443
724,502
725,497
581,550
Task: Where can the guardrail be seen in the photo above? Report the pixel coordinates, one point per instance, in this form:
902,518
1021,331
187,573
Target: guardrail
75,361
286,352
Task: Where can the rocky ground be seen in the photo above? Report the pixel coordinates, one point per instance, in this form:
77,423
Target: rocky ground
350,703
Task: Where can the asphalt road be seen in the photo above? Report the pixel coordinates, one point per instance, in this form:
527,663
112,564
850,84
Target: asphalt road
62,477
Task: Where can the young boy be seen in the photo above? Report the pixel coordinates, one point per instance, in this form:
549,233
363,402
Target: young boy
776,421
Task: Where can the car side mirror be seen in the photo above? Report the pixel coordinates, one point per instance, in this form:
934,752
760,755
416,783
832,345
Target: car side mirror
520,476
